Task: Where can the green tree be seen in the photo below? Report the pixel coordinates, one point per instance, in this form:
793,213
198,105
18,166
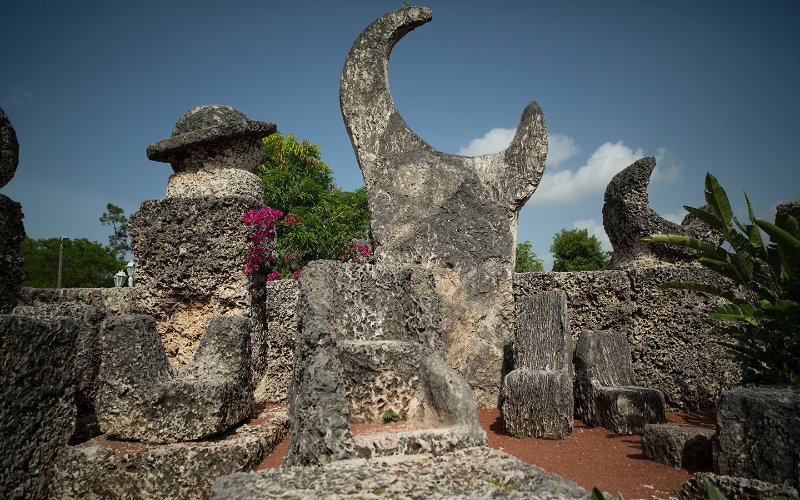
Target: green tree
575,250
527,261
114,216
760,323
86,264
297,181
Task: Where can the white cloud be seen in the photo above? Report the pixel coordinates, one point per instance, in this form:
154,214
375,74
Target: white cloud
677,218
566,186
594,228
493,141
667,169
560,147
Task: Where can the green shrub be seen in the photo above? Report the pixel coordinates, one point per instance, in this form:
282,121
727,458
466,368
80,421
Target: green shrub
760,323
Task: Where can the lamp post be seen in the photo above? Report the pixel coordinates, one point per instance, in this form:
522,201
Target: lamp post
119,279
130,268
60,260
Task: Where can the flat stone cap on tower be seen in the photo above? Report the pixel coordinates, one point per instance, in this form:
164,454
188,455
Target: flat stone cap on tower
206,125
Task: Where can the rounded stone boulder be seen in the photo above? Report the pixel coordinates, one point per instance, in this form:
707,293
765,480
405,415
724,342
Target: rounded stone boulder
9,149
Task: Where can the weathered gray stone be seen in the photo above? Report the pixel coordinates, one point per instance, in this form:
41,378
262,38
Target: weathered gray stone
211,136
106,469
368,344
605,389
455,214
758,434
738,488
87,348
109,300
273,354
664,326
468,473
189,257
627,217
9,149
12,232
141,398
679,445
37,405
791,208
537,393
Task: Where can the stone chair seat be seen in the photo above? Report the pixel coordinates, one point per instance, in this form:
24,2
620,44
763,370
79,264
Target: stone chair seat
606,393
537,393
140,397
370,342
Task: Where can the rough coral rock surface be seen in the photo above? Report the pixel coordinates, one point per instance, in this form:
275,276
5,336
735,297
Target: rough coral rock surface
605,389
369,342
189,257
758,434
468,473
103,468
12,232
452,213
627,217
9,149
273,347
88,320
679,445
37,401
537,393
664,326
739,488
140,397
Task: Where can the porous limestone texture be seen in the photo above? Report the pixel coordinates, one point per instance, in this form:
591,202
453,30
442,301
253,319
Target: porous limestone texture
218,182
107,469
189,257
627,217
37,401
109,300
537,393
758,434
605,389
9,149
212,137
140,397
664,326
738,488
369,342
455,214
12,232
791,208
680,445
281,325
88,320
468,473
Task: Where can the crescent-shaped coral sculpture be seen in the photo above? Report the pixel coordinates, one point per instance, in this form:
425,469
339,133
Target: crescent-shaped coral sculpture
455,213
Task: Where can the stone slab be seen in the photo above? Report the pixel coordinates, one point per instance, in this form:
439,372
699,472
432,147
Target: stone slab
103,468
738,488
679,445
467,473
758,434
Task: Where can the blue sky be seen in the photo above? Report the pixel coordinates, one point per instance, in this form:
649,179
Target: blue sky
704,86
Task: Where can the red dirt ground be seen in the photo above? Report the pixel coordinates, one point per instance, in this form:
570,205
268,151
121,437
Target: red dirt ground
590,456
